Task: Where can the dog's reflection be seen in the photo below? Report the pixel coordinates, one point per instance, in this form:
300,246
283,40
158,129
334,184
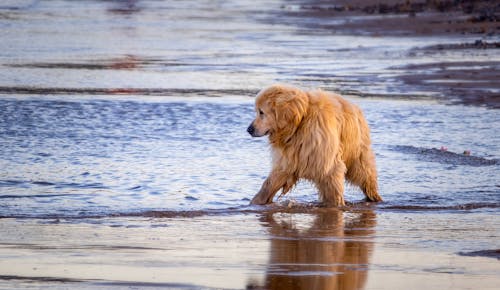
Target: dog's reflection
327,249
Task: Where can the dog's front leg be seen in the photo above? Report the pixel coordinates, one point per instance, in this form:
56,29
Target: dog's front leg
275,181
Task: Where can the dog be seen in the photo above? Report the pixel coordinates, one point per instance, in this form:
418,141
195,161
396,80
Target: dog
317,136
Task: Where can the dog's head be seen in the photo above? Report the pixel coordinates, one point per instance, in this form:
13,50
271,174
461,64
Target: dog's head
280,110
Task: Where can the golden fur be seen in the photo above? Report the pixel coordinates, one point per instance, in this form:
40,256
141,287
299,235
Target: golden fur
318,136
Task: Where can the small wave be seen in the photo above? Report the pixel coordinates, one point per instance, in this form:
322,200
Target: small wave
191,198
98,282
282,207
124,91
483,253
468,206
446,157
39,279
125,62
11,196
9,183
43,183
296,208
80,247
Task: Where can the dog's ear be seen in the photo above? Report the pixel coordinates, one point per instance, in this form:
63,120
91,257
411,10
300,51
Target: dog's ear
289,106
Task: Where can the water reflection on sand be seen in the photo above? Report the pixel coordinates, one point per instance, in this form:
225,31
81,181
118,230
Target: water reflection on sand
326,249
276,248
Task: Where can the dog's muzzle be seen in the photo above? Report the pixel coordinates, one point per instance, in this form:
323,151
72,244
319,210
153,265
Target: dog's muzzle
251,130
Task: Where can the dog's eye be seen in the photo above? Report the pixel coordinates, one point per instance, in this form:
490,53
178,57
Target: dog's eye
261,113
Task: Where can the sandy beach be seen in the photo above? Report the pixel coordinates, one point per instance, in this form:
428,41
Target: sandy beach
126,163
287,249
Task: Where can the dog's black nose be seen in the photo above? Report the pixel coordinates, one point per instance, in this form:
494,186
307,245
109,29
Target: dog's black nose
251,129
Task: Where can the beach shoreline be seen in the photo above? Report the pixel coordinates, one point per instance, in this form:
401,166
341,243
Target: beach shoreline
326,247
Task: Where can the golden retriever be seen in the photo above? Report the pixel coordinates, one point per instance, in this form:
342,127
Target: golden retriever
315,135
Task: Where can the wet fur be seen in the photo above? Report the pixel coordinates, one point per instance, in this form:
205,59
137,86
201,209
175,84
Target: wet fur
318,136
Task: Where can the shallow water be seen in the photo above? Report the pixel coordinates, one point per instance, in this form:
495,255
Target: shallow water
101,157
126,163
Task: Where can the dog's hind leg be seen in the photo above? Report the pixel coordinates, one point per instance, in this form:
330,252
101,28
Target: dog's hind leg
363,173
331,187
370,190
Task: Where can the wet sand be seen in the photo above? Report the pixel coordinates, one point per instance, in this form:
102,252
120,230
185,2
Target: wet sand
459,78
289,249
401,17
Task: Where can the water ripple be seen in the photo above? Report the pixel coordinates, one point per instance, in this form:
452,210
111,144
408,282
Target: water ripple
447,157
103,157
